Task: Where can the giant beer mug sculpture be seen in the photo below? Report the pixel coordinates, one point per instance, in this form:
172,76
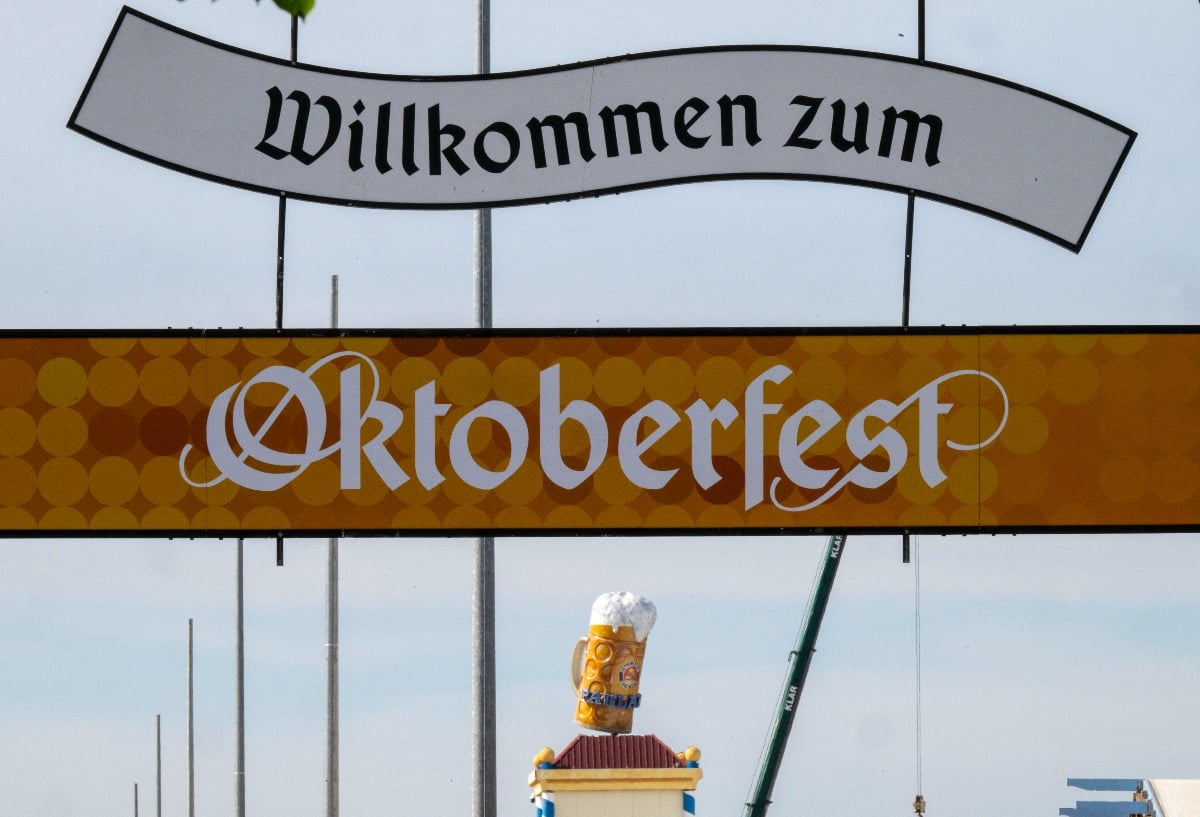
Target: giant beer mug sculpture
606,667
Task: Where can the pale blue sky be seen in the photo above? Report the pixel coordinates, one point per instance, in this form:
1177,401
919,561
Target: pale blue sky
1043,656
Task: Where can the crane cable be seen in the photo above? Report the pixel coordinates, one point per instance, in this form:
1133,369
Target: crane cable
919,802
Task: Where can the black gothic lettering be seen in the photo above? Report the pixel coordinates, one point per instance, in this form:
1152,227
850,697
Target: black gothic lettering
558,128
567,137
862,116
409,140
510,135
811,104
436,151
303,109
383,130
356,137
912,125
684,122
275,97
749,118
633,131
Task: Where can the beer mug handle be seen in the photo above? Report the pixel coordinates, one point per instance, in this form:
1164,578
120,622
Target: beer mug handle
577,661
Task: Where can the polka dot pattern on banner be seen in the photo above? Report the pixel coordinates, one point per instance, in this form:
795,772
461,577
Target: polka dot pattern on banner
599,432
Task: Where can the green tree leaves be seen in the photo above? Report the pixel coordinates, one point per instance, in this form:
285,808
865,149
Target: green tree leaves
300,8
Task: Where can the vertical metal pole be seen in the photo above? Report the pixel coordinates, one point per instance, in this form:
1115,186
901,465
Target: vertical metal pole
281,228
908,228
911,215
239,772
280,249
331,683
912,196
906,553
158,764
921,30
917,651
331,641
919,801
281,233
483,679
191,735
333,302
908,247
135,803
483,217
280,243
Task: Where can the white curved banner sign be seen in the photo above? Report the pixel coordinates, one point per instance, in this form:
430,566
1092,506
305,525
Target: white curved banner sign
598,127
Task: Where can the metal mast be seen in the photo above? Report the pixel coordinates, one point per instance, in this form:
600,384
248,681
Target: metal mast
483,659
800,659
239,772
191,730
331,641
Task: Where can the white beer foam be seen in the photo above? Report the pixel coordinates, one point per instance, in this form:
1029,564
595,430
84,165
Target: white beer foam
625,609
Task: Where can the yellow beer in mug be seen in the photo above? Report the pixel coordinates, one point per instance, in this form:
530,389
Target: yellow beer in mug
606,666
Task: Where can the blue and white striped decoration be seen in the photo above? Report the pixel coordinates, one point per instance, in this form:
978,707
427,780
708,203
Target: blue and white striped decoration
544,804
689,805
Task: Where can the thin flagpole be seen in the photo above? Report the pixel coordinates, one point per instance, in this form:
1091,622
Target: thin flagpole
239,772
281,228
909,222
908,228
191,729
921,30
483,677
910,551
332,794
280,247
911,216
917,652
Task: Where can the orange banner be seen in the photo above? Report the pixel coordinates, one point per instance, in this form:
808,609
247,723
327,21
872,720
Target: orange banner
623,432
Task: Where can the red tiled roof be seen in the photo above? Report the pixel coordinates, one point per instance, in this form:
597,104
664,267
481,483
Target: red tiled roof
616,752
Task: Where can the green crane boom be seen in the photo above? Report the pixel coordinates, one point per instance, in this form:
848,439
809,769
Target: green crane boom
800,660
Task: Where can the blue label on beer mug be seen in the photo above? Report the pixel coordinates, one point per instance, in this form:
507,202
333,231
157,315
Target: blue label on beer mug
608,699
